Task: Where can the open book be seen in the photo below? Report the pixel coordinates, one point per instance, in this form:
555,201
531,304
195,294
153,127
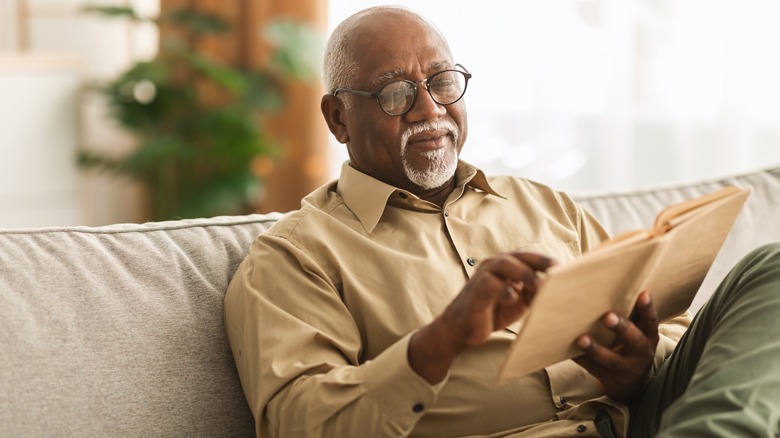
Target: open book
670,261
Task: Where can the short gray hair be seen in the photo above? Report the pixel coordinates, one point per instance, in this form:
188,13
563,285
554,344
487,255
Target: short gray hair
339,69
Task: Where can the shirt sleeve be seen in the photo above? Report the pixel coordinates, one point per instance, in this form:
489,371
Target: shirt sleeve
590,230
298,354
670,333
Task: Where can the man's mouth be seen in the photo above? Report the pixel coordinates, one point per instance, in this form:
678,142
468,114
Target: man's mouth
430,140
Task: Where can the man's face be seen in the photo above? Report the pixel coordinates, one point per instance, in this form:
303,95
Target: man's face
416,151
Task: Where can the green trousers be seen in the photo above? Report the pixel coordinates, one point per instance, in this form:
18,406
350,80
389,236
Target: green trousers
723,379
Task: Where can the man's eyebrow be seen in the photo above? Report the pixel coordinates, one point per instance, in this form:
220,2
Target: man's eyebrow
440,65
386,76
399,73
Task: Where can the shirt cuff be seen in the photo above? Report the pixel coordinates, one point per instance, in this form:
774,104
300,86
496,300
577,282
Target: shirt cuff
402,394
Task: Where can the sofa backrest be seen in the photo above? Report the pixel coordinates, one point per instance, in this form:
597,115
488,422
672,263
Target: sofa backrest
118,330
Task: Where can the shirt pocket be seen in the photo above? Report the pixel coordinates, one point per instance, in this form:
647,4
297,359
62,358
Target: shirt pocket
561,252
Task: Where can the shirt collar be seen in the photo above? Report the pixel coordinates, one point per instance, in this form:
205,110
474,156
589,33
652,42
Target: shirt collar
367,197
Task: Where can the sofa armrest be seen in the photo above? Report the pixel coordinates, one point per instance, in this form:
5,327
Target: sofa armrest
118,330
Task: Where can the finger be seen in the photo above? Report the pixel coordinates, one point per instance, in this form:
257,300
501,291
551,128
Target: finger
498,296
511,271
603,355
626,331
540,263
646,316
598,360
494,288
593,368
536,261
514,292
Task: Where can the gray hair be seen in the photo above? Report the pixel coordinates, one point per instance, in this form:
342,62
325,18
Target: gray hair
339,69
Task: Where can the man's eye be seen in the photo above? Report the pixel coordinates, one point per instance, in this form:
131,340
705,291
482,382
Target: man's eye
394,95
441,84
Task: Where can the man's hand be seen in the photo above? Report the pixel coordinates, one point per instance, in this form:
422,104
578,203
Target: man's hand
497,295
623,368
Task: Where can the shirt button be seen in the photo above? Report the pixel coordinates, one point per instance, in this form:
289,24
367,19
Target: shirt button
446,213
581,428
471,261
562,399
418,407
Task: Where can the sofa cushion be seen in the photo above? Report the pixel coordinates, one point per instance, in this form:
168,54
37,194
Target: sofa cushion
118,330
758,223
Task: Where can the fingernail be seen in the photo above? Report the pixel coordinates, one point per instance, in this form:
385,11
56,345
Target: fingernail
583,342
611,320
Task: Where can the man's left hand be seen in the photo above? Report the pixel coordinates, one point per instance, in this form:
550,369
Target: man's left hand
623,368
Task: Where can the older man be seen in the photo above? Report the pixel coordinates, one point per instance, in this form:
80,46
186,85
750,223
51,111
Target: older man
384,306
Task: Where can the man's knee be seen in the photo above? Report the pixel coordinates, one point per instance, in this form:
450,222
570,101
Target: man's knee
766,255
756,273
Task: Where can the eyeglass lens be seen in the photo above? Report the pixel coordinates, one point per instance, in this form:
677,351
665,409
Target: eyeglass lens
445,87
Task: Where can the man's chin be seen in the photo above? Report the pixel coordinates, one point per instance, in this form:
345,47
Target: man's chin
424,161
432,176
433,183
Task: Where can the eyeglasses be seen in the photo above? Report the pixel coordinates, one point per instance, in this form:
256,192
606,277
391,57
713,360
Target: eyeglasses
396,98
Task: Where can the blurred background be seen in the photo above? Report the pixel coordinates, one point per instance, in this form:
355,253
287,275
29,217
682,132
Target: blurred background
137,110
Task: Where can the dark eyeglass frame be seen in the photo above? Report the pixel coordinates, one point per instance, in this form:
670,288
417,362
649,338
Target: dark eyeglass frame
459,68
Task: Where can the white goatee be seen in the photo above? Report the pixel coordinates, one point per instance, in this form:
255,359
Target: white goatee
440,167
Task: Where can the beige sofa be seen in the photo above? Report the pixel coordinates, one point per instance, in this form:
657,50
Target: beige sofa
117,330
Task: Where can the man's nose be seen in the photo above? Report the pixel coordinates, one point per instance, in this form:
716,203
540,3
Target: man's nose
424,107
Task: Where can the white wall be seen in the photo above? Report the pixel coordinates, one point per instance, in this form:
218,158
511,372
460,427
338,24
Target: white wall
52,56
38,125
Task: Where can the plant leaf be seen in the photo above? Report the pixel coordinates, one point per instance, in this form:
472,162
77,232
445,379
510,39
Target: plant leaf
199,23
115,12
298,49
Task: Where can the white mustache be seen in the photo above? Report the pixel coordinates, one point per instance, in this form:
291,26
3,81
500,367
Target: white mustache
429,126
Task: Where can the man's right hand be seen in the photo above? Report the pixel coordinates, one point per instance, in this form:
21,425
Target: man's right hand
497,295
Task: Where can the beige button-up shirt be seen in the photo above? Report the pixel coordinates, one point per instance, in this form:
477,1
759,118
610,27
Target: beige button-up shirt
320,313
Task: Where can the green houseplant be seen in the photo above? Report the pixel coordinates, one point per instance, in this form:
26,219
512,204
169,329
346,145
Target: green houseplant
195,151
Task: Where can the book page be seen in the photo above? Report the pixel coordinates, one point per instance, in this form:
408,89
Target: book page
689,249
678,213
570,302
671,266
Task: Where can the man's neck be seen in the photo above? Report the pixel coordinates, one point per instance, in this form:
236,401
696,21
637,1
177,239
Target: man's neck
439,195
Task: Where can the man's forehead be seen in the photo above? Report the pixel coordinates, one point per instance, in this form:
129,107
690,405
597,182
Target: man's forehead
394,44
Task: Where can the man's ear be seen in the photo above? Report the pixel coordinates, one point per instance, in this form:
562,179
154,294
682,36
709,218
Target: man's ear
333,110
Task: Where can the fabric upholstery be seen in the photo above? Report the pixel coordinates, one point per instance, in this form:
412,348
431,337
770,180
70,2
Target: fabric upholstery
118,330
